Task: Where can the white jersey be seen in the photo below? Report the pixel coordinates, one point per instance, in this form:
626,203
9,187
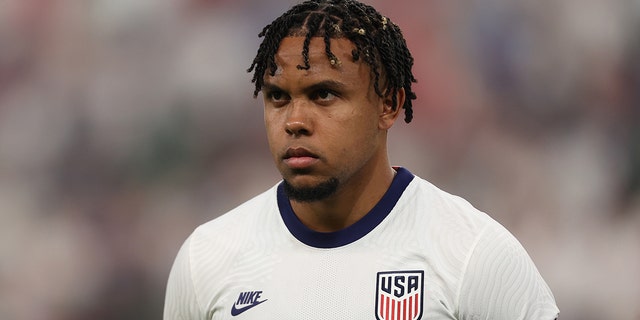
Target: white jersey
420,253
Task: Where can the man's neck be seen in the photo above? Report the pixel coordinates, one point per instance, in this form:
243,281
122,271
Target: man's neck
352,201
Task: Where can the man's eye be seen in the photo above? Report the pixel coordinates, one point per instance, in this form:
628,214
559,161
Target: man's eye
324,95
276,96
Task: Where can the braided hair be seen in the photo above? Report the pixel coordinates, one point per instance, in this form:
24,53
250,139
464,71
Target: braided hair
378,41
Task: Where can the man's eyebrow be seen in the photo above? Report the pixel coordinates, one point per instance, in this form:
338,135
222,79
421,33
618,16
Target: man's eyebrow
324,84
270,87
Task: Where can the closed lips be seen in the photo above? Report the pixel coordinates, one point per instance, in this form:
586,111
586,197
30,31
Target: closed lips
298,152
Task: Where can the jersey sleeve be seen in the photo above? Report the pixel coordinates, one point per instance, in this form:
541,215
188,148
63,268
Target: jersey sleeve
502,283
181,301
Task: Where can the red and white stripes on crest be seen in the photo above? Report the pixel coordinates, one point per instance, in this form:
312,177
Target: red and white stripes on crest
394,309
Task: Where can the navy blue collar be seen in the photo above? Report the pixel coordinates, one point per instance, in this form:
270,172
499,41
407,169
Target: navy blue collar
353,232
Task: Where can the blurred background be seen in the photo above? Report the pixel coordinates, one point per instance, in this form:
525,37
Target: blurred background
125,124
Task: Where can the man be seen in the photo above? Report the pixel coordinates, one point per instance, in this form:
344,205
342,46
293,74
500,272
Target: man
345,235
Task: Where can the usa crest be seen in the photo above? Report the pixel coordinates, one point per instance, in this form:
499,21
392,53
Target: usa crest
399,295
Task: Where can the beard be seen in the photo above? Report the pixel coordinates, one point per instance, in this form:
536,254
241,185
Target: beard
321,191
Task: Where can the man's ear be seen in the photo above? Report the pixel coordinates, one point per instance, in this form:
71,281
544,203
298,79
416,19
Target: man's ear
390,111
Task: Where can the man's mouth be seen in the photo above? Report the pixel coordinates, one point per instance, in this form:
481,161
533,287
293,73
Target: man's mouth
298,152
299,158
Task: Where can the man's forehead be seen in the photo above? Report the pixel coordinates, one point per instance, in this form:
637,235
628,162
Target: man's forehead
291,49
290,74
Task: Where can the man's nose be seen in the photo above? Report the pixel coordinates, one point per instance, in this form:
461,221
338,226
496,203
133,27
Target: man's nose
298,119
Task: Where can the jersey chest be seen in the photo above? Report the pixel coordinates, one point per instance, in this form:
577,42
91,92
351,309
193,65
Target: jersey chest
344,283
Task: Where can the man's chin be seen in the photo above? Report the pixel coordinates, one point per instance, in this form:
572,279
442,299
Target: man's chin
311,193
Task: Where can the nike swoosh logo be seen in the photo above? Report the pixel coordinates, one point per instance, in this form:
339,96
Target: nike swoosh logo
236,311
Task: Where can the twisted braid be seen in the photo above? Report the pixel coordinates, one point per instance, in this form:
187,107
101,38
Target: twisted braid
378,41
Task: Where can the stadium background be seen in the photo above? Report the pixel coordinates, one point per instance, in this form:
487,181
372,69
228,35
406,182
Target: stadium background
124,124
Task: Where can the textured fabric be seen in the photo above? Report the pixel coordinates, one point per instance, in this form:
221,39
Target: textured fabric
420,254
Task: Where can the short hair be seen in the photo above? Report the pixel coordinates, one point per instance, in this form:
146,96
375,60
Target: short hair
378,41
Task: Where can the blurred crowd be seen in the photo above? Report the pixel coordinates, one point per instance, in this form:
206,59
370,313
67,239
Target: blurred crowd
125,124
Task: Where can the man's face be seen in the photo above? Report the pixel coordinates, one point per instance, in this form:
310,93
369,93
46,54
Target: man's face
323,124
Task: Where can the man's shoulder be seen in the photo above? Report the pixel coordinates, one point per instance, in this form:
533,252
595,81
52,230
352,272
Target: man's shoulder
243,217
214,247
213,244
429,199
437,216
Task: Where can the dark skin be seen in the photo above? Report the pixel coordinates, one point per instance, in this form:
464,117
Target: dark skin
328,122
